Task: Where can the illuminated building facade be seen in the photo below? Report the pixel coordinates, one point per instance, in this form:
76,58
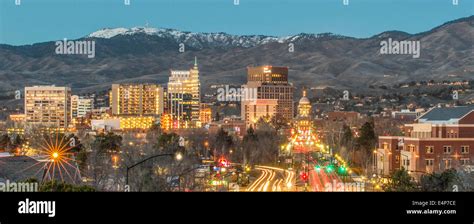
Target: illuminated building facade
303,136
205,114
440,139
260,108
271,83
137,123
124,123
303,119
48,106
183,97
136,99
166,122
80,106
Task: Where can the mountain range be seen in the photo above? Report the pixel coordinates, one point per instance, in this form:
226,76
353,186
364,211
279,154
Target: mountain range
143,54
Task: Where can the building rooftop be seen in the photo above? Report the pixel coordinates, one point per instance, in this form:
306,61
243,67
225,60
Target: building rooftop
446,114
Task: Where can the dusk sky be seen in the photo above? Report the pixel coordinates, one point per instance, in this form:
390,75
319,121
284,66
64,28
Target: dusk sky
45,20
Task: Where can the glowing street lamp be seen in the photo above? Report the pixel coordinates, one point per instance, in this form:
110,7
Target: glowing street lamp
55,155
179,156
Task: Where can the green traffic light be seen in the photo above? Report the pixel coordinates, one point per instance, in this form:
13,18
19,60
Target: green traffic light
317,168
342,169
329,168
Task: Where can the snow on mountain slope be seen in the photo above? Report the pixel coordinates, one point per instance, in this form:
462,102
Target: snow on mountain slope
201,40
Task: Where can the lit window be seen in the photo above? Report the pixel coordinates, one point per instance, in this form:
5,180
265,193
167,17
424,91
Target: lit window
429,149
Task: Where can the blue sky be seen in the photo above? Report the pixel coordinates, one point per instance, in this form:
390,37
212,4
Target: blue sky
45,20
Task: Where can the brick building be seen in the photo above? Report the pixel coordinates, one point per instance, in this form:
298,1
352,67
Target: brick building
440,139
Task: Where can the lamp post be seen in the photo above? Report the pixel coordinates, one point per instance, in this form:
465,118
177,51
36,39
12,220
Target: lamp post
179,156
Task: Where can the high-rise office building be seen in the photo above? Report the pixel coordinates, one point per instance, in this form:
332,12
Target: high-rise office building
136,99
49,106
271,83
80,106
183,97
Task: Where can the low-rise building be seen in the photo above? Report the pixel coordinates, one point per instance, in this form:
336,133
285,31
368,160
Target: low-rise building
232,125
440,139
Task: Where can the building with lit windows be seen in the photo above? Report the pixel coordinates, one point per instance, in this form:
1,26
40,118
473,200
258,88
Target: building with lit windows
166,122
136,99
137,122
303,119
271,82
258,109
303,137
48,106
440,139
183,97
80,106
124,123
205,114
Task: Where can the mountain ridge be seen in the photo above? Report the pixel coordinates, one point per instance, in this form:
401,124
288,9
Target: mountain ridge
318,59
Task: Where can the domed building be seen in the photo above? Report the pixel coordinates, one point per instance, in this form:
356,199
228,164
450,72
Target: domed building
303,119
303,136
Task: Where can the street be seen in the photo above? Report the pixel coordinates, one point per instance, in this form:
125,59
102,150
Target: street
272,179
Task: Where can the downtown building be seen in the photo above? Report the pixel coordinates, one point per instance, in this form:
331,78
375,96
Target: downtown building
48,106
272,86
183,98
440,139
136,99
80,106
134,107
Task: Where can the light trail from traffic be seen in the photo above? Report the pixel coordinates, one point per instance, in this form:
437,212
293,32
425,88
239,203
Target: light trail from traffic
272,179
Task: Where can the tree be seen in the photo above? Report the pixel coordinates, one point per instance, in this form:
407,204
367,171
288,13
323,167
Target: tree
367,139
4,141
279,122
56,186
249,144
168,143
99,159
400,180
347,137
107,143
443,181
222,143
366,143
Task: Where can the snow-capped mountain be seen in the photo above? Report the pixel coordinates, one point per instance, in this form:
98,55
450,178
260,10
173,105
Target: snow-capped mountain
201,40
124,55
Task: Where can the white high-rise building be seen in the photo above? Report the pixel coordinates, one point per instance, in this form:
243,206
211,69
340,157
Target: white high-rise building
80,106
49,106
184,96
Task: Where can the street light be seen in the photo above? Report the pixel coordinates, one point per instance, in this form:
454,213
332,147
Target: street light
55,155
178,156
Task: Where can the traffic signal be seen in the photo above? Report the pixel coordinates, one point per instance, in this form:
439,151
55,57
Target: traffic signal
317,168
329,168
342,170
304,176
